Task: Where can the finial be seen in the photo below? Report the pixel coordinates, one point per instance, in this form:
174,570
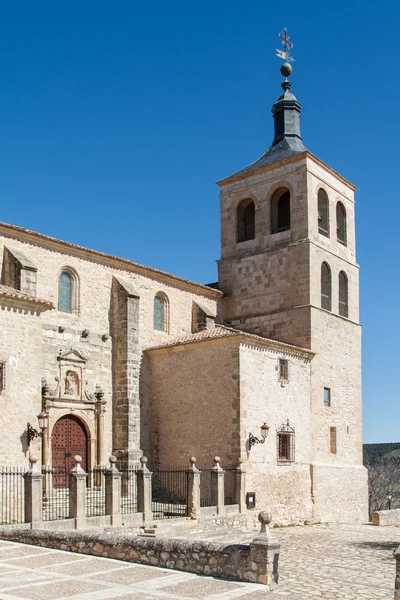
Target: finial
286,68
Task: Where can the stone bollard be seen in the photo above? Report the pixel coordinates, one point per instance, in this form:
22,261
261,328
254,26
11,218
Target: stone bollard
33,492
396,554
144,499
217,486
77,493
193,500
264,552
113,492
240,486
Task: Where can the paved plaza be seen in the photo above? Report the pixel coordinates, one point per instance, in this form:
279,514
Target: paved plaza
330,562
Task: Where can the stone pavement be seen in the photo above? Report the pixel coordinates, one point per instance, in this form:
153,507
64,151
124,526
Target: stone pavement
330,562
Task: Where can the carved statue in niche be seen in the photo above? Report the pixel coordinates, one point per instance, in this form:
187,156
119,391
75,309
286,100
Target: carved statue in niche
71,384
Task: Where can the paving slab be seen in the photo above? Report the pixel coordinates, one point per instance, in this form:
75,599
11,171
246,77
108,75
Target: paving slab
325,562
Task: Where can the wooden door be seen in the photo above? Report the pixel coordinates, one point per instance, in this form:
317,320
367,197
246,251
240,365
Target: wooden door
68,439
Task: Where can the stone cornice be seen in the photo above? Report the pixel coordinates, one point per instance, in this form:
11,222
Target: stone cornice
32,237
286,161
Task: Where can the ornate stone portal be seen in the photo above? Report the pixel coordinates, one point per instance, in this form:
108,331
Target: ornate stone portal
72,396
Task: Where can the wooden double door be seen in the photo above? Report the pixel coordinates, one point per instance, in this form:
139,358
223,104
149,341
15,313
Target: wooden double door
69,438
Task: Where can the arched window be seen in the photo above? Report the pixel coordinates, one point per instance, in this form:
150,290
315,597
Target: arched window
341,223
343,295
68,293
280,211
161,312
245,221
323,212
326,287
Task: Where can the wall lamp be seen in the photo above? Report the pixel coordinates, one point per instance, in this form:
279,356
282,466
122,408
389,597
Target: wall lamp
389,497
33,433
253,440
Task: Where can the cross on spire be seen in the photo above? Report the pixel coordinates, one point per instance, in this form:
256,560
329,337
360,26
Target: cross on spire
287,44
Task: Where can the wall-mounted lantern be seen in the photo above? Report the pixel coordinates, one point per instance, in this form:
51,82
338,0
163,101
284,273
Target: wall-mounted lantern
254,440
389,497
33,433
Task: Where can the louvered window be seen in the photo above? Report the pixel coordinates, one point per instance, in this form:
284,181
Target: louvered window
323,212
326,287
343,295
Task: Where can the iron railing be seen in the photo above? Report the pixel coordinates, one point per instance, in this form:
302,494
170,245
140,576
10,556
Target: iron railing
12,495
129,491
55,493
206,489
169,493
229,486
96,492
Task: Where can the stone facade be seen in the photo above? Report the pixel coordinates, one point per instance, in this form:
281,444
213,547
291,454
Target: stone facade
131,358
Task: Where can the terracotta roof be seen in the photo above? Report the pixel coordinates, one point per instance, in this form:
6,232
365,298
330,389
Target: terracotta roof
124,262
221,331
13,294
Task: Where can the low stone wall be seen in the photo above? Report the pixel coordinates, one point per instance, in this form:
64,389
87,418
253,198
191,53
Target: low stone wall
254,562
386,517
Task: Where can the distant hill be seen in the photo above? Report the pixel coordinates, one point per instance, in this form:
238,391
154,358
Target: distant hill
373,452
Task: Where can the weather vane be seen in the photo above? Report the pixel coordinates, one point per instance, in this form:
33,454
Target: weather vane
287,44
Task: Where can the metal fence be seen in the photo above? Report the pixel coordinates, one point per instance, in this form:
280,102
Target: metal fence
229,486
55,493
169,493
96,492
206,489
12,495
129,491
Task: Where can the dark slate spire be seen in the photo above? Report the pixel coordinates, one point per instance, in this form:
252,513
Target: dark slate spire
286,113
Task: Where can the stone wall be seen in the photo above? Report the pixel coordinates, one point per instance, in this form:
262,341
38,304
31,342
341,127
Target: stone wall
281,488
193,395
257,562
384,518
21,336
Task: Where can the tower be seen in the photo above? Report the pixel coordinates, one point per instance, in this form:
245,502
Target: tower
288,269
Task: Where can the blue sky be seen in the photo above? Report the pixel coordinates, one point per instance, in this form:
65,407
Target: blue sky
117,118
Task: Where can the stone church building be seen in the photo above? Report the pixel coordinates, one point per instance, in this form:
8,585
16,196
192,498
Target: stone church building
126,359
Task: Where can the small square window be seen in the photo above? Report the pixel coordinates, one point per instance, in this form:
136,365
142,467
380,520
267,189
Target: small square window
2,377
283,369
327,396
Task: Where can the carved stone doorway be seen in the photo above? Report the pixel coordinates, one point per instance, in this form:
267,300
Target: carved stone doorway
69,438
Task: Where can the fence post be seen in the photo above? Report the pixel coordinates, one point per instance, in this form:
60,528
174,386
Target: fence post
144,498
240,486
217,486
33,492
113,492
77,493
193,499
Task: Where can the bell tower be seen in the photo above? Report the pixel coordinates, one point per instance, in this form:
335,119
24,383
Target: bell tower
289,272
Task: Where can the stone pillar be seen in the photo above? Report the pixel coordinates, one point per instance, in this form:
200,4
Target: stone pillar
240,486
264,551
217,486
193,499
126,355
77,493
113,492
33,492
100,402
144,492
396,554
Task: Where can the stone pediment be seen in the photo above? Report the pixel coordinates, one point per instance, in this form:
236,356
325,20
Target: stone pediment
72,355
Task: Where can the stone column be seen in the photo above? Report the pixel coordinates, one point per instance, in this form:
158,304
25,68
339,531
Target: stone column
33,492
113,492
100,402
193,499
77,493
144,492
264,552
240,486
217,486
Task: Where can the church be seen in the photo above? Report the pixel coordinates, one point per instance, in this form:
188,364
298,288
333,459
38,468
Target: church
100,355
